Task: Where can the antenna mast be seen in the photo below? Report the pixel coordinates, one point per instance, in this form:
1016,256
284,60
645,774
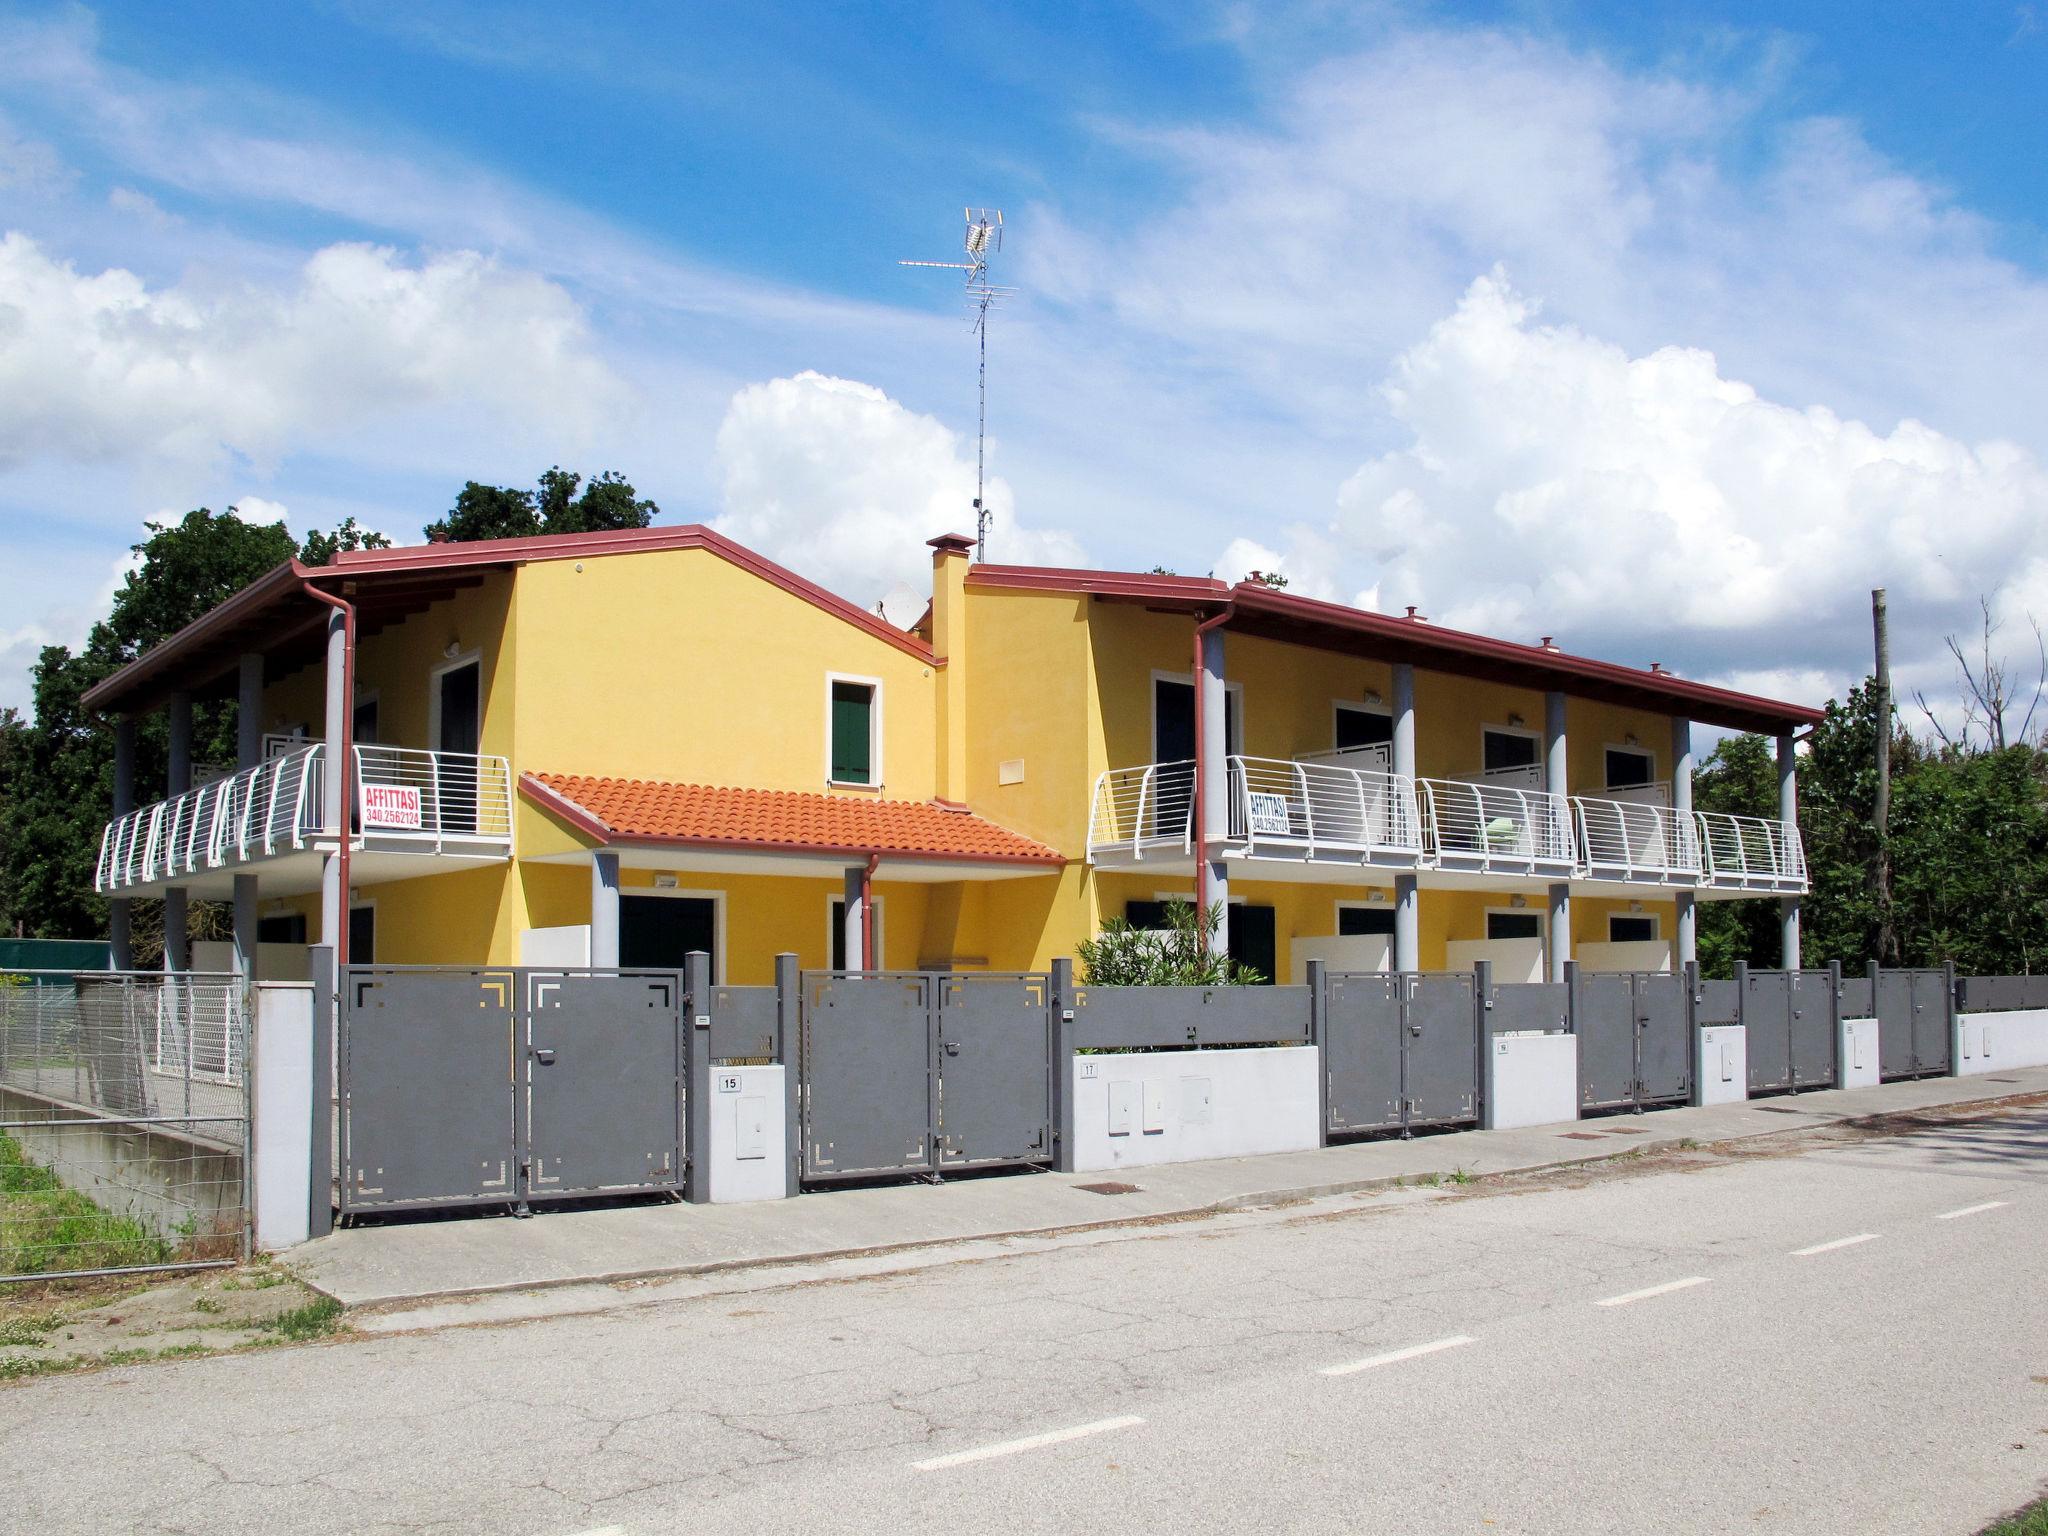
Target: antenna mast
983,239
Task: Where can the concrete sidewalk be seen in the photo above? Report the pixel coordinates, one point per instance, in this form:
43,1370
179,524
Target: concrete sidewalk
421,1261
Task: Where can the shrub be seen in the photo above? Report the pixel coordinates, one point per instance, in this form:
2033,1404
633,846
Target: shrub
1179,955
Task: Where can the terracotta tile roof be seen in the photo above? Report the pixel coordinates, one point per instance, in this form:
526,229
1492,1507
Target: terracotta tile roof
642,810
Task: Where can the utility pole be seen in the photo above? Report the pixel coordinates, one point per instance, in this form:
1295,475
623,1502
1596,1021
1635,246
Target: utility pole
1881,810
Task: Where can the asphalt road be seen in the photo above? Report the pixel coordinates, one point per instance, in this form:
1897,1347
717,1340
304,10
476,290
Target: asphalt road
1849,1337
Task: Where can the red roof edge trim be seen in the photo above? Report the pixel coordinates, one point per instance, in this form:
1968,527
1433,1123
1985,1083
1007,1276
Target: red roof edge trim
562,806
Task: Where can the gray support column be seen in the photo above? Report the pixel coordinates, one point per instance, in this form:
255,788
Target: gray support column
177,935
1557,781
245,926
1688,936
1788,812
122,942
856,917
1318,1008
789,982
697,1076
326,1009
1407,899
1215,779
249,711
1063,1064
334,822
604,909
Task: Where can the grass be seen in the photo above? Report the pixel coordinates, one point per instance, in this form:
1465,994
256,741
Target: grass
315,1320
46,1227
2031,1521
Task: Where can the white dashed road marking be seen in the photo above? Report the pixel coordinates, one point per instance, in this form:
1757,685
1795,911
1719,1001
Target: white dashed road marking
1840,1242
1028,1443
1655,1290
1970,1210
1412,1352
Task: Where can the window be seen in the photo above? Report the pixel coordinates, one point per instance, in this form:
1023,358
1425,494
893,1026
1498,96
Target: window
362,934
1501,750
838,939
1631,929
656,932
1358,726
1354,922
284,928
1630,768
1148,915
363,726
1514,925
853,732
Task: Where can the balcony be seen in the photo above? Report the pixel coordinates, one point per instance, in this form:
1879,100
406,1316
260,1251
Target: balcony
1343,809
414,813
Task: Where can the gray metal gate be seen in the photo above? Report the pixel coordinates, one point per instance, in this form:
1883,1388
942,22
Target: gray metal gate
1635,1039
1400,1051
918,1072
476,1086
1789,1029
1913,1034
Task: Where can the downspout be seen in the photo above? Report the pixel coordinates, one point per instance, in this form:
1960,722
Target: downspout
1200,827
344,756
867,913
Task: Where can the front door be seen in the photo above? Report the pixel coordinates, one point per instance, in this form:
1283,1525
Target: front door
455,776
1252,941
656,932
362,935
1173,741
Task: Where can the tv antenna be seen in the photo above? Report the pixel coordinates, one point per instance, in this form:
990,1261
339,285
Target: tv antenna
983,239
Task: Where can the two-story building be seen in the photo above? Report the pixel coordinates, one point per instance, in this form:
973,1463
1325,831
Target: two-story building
617,748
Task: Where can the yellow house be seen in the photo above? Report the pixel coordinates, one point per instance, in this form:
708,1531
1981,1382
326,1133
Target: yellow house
617,748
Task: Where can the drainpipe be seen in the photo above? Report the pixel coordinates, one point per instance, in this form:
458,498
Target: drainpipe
344,754
867,913
1199,808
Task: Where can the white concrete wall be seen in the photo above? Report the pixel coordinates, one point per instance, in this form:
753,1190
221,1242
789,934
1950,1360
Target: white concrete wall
1342,952
1513,959
281,1112
568,946
1722,1067
1532,1078
1631,955
1996,1042
749,1136
1856,1064
1148,1107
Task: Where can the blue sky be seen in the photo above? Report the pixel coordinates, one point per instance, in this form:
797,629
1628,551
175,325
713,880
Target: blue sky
1668,333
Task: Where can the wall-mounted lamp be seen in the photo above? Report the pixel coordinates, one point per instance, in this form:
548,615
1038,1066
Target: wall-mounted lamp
453,648
1372,696
1514,719
1635,906
1518,902
1629,740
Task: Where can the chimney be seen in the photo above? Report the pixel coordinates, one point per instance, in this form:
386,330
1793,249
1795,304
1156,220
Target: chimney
1419,618
950,556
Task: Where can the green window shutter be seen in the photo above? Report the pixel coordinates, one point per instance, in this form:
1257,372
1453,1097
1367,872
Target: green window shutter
853,707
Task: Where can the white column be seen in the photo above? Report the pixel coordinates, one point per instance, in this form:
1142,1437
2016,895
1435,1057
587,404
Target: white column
1215,771
177,939
604,909
248,753
1407,899
1688,937
1788,812
1557,781
856,918
121,940
333,899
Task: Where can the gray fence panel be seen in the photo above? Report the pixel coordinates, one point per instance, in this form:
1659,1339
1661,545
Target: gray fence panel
1524,1005
1362,1034
867,1061
1442,1041
1720,1002
603,1082
1767,1020
1895,1024
995,1077
1812,1042
1159,1018
1933,1042
1664,1044
426,1087
1857,1002
1603,1017
742,1022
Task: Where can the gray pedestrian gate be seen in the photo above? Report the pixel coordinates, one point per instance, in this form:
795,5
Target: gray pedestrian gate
1913,1034
1635,1038
921,1073
1400,1051
479,1086
1789,1029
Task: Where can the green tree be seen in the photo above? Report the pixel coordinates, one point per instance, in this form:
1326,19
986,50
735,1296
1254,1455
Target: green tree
497,512
321,548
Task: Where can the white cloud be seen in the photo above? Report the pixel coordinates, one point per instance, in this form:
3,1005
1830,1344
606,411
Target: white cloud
256,509
103,367
837,480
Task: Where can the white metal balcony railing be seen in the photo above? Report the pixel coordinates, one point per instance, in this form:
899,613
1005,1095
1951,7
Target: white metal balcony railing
404,798
1316,808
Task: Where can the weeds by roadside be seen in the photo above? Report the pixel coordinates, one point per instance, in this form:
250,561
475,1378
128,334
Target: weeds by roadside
2031,1521
44,1226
